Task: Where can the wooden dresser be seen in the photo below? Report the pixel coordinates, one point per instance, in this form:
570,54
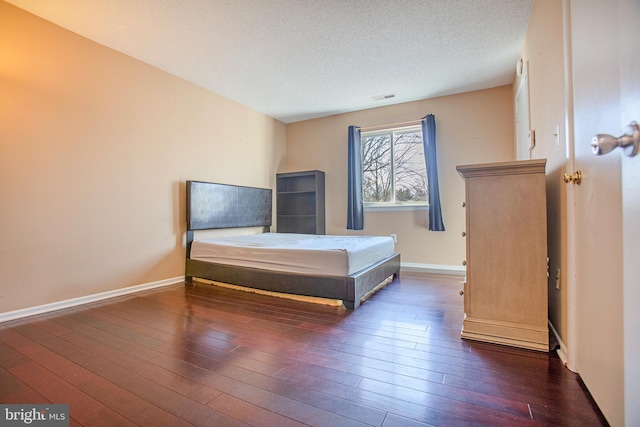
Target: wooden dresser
505,290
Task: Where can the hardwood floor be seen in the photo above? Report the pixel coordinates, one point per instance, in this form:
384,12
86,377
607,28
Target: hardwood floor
211,356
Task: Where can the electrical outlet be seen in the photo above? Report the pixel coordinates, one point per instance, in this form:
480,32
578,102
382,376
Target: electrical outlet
394,237
548,268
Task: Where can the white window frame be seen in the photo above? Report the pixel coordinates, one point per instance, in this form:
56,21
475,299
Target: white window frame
393,205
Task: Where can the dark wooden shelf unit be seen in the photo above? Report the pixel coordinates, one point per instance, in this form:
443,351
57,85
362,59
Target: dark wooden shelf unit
300,202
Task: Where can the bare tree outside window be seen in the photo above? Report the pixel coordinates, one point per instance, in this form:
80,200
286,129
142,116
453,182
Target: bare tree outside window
376,168
394,171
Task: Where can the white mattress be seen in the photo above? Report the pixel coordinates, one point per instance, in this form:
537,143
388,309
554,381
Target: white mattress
297,253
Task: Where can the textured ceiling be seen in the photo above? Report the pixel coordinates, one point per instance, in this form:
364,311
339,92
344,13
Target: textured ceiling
300,59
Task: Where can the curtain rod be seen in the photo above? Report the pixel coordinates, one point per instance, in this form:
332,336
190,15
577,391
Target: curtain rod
392,125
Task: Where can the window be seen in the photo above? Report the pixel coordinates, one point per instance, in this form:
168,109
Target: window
393,167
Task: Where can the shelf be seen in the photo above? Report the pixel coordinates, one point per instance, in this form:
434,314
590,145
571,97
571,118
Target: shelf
297,192
300,202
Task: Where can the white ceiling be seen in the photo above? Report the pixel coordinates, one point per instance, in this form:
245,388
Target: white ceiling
299,59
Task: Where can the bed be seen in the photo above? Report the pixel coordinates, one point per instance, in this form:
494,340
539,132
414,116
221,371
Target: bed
223,206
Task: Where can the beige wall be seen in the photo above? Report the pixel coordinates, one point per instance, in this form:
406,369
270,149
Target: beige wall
94,151
473,127
543,50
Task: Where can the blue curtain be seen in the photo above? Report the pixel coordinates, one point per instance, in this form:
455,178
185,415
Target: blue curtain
355,205
429,141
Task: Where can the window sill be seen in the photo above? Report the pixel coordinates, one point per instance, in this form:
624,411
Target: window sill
393,208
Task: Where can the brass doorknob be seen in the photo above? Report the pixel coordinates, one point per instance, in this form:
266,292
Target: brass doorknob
575,177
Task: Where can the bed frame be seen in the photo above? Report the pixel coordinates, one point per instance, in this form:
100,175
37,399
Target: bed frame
215,206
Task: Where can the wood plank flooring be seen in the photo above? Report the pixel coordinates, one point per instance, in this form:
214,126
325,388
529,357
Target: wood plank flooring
209,356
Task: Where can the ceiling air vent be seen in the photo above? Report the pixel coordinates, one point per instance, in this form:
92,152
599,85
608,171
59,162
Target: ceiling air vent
383,97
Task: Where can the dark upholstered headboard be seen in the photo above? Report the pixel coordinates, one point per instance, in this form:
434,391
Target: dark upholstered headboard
211,205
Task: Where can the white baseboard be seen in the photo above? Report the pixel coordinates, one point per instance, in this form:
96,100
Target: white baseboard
449,270
31,311
562,351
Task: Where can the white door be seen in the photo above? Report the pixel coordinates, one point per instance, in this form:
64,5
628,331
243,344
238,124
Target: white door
606,246
523,117
629,15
